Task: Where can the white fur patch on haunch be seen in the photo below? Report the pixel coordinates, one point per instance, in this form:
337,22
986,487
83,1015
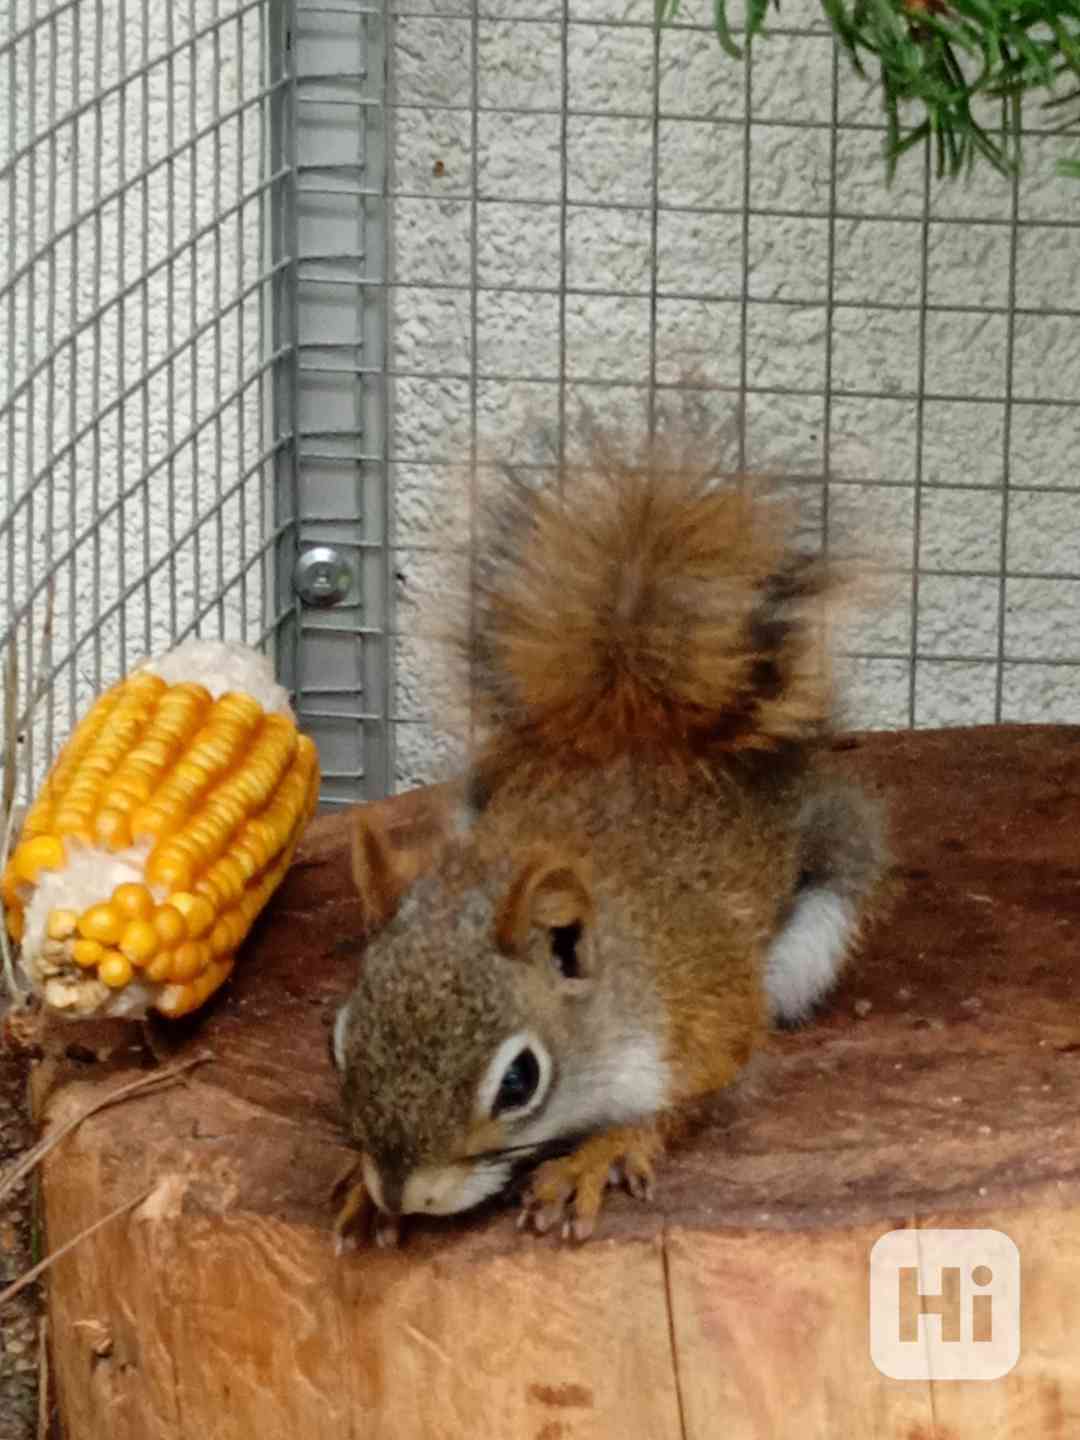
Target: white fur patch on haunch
806,957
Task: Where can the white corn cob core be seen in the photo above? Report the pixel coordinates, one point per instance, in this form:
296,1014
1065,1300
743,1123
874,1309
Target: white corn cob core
90,875
221,665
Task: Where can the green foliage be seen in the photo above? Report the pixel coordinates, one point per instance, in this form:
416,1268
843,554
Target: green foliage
946,65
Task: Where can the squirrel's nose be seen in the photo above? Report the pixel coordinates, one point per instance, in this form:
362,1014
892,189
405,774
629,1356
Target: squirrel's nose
385,1183
392,1187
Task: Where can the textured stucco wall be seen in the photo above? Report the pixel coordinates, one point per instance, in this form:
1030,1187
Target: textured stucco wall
921,480
487,180
128,247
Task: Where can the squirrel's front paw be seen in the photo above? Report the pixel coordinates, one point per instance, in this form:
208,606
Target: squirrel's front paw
571,1189
358,1220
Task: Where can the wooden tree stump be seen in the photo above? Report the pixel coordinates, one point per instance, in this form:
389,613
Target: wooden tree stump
940,1087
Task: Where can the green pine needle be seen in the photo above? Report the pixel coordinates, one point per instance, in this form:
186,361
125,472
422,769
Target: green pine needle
945,64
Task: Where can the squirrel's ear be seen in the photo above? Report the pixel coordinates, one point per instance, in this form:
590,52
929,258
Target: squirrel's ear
553,893
374,872
394,842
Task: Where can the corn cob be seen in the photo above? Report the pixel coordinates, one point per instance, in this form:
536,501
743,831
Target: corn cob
164,826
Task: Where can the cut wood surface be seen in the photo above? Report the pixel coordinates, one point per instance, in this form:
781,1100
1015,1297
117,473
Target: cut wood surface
940,1086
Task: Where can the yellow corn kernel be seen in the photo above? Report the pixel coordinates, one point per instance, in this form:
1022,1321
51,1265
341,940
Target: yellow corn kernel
39,819
214,975
169,926
103,923
91,759
212,891
177,1000
244,854
236,707
74,825
190,698
239,708
61,924
228,878
127,790
149,821
214,752
189,960
114,969
45,852
124,724
140,941
204,837
172,870
157,750
242,918
112,829
197,911
178,716
258,840
227,807
207,834
142,683
190,774
133,901
86,952
221,938
160,968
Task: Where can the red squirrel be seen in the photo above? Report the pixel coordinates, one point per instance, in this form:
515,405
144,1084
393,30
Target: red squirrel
649,867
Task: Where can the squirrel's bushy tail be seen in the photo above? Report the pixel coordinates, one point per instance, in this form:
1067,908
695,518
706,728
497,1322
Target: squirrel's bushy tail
646,605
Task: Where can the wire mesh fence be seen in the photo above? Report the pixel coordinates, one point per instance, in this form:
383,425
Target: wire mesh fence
587,209
273,271
140,168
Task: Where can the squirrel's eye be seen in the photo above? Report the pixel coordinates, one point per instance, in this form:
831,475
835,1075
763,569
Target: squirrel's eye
518,1084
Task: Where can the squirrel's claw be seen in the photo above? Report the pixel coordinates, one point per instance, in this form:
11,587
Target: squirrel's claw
358,1219
387,1230
635,1173
353,1217
571,1189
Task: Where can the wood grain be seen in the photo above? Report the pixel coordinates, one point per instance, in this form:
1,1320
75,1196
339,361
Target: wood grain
940,1086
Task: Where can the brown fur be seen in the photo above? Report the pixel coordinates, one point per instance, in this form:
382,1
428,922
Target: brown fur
688,886
648,606
549,890
374,873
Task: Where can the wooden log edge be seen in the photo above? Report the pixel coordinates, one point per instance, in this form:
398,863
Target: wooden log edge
939,1088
